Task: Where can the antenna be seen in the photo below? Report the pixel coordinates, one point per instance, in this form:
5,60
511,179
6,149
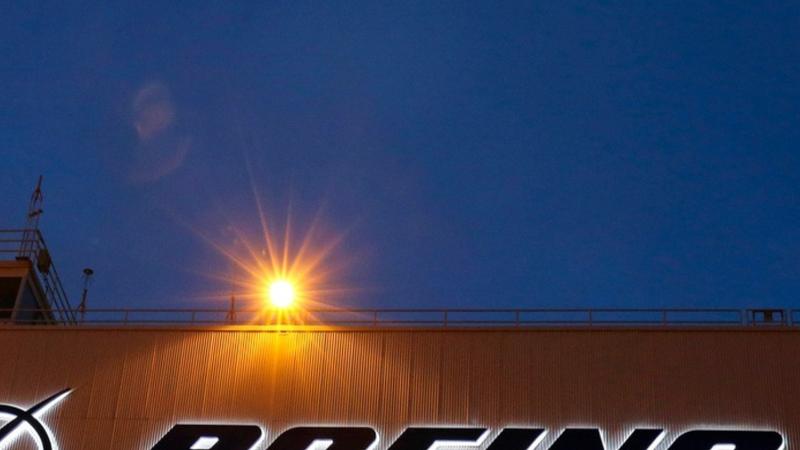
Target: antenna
35,206
87,279
29,236
231,316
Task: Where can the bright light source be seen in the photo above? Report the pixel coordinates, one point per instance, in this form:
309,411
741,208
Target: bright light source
281,294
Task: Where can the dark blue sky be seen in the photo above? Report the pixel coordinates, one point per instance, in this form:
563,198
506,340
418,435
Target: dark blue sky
479,154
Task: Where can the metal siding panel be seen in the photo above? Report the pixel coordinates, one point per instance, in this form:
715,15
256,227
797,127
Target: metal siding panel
455,380
517,363
163,384
545,381
425,378
269,356
13,344
30,368
313,359
364,405
107,375
135,377
250,395
336,384
69,432
609,361
222,353
56,361
301,380
100,435
128,434
192,376
395,374
486,371
285,346
784,390
76,370
583,402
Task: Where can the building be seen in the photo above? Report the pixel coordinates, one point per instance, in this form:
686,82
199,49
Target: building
130,385
566,380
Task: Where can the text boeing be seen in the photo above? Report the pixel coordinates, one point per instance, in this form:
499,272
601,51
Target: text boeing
247,437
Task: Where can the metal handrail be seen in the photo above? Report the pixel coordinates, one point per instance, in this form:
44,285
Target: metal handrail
417,317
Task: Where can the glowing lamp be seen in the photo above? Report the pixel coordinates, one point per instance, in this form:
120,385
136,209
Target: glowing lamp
281,294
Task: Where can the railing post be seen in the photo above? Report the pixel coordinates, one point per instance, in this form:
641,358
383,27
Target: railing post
125,317
193,316
590,318
516,318
375,318
664,317
445,317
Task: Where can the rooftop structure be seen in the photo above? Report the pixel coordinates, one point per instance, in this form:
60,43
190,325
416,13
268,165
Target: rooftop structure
30,288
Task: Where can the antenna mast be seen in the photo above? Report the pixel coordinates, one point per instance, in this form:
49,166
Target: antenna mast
30,235
87,278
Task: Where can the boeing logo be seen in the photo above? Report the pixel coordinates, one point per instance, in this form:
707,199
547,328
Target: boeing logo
249,437
29,420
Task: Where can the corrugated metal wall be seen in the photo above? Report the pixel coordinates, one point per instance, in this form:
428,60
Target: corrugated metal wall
130,386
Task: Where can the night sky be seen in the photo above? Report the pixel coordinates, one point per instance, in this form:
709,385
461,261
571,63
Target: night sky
472,154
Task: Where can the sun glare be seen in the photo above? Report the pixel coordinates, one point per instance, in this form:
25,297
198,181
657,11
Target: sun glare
281,294
281,273
284,272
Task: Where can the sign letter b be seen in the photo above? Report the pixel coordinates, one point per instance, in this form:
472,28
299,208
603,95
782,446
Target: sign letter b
206,437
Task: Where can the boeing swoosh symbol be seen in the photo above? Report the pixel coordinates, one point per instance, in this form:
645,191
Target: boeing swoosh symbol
32,418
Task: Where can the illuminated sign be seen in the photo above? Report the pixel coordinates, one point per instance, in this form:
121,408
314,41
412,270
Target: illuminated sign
207,437
248,437
29,420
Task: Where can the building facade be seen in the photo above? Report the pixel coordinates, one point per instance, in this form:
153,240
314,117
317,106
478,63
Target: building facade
128,387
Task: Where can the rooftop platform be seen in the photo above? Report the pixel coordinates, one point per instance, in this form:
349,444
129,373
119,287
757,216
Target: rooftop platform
30,287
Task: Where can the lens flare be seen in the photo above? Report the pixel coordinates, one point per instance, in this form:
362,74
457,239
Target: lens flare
280,273
291,270
281,293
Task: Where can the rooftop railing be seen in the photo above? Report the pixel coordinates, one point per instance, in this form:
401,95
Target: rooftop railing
418,318
29,245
